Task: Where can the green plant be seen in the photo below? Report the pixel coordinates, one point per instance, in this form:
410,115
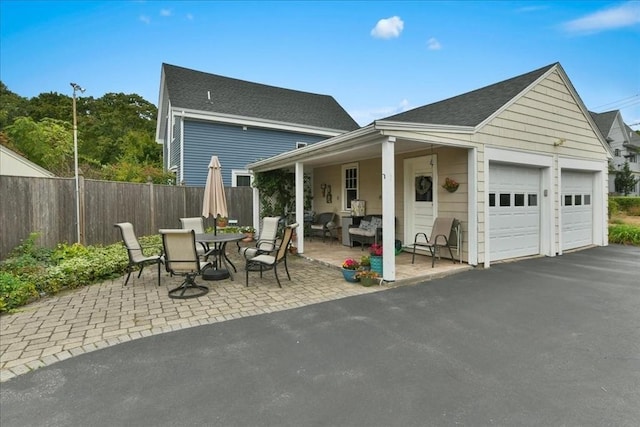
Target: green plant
277,192
375,249
365,260
247,229
31,270
624,234
15,292
367,274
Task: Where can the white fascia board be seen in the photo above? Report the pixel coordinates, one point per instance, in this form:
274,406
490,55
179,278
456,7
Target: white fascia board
255,122
341,142
384,125
161,119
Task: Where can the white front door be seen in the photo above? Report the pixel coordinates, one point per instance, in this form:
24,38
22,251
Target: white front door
420,194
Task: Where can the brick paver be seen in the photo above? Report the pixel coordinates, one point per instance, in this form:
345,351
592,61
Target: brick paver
83,320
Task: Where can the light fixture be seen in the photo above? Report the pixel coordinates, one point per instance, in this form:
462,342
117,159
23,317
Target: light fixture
559,142
76,87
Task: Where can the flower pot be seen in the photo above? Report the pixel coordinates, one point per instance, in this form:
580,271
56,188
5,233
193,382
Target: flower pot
350,275
248,237
370,281
376,264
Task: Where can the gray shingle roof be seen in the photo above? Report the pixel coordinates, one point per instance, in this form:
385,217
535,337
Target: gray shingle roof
471,108
604,121
189,89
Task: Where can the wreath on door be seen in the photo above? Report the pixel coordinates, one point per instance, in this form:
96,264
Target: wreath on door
424,186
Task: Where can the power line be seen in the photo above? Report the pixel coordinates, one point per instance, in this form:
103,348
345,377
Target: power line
622,101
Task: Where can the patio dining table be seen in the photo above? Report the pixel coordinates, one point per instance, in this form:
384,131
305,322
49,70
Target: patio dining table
219,242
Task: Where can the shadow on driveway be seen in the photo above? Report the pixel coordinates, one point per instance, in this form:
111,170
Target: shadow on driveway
547,341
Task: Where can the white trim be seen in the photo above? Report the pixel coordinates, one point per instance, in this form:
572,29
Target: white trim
343,190
547,206
388,210
384,125
254,122
600,196
235,173
472,211
299,190
181,180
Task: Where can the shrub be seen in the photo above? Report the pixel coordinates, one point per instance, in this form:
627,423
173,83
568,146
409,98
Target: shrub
15,292
626,203
624,234
32,270
613,206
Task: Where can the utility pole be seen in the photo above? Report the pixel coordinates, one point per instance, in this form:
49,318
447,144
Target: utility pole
76,88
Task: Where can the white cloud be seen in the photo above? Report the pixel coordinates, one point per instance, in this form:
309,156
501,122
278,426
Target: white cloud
145,19
165,12
388,28
364,117
529,9
433,44
624,15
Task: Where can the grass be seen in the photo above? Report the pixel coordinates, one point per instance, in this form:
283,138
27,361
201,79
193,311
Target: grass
624,229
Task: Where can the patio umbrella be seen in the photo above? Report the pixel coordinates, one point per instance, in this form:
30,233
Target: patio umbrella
215,202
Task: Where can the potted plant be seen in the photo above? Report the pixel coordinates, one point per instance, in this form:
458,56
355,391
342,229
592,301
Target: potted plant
375,258
450,184
365,262
368,278
350,269
249,232
222,221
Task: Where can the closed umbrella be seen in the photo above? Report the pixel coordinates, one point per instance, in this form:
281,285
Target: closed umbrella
215,202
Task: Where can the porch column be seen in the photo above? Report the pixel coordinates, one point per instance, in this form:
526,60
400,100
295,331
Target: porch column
472,219
388,210
299,186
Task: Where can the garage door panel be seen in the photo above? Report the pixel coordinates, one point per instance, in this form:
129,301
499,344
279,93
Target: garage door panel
514,211
577,209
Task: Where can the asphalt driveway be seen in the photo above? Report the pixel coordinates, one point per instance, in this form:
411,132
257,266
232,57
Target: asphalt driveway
548,341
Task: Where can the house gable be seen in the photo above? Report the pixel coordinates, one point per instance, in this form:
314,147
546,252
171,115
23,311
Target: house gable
548,117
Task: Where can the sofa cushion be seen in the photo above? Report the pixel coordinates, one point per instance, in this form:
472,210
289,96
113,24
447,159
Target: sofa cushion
376,222
362,232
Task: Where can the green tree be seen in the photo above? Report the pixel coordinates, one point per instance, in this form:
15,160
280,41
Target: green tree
47,143
625,182
11,106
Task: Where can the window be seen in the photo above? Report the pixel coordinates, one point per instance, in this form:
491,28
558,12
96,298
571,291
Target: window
240,178
301,144
533,200
632,158
587,199
616,152
492,199
577,199
350,185
505,199
518,200
567,200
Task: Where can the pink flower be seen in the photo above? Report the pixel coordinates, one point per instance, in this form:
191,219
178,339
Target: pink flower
375,250
350,264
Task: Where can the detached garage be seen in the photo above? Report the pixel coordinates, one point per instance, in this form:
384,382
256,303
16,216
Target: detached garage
530,162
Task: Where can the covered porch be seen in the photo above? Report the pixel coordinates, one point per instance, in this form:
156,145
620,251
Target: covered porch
333,253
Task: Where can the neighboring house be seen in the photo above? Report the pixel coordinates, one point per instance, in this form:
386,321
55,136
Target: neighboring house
12,163
202,114
624,144
531,164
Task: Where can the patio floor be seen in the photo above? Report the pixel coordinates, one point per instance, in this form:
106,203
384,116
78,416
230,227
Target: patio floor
333,253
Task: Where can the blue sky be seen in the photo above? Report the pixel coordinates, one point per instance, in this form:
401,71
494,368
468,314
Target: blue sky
376,58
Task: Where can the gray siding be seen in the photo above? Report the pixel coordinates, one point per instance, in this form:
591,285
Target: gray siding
234,147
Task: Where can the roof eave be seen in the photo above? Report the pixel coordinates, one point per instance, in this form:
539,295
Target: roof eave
389,126
339,142
254,122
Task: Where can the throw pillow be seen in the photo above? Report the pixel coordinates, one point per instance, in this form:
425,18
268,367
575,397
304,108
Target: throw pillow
364,224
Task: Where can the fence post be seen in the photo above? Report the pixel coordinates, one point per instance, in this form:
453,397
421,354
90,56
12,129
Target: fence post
81,203
152,206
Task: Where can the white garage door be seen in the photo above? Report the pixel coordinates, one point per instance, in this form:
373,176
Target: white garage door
577,209
514,211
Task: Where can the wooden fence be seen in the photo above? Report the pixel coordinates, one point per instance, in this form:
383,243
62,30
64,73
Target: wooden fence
48,206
